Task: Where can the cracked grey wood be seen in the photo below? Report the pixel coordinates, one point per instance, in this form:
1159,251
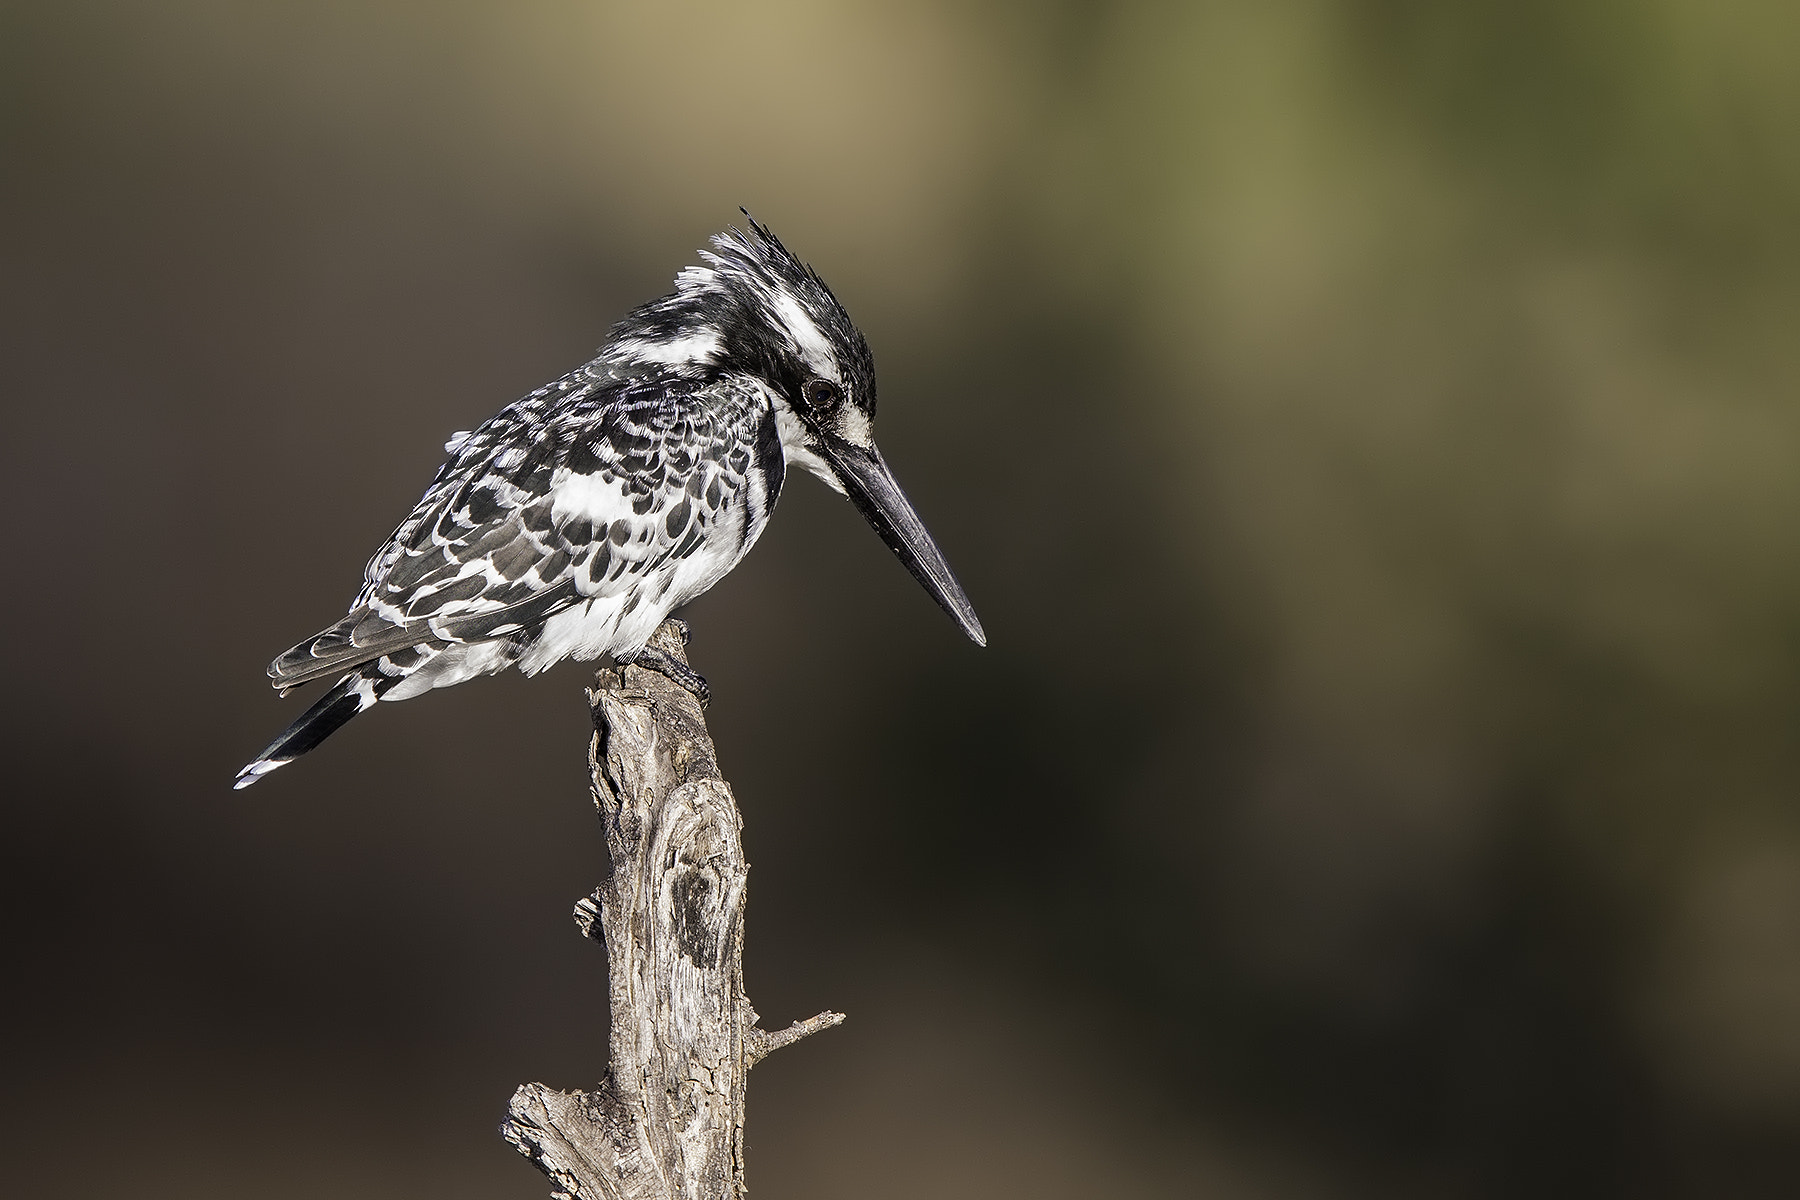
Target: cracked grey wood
668,1119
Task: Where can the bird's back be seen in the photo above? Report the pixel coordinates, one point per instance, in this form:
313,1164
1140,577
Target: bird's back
606,501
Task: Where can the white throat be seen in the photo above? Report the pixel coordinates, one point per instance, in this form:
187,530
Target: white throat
794,438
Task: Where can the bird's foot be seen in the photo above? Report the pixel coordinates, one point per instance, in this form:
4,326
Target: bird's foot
674,670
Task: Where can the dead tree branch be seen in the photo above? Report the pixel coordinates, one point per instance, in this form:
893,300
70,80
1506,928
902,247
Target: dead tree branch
668,1119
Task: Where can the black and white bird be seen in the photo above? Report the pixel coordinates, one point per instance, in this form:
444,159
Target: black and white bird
576,519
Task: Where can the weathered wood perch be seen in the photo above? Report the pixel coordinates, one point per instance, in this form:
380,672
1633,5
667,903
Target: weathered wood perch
668,1119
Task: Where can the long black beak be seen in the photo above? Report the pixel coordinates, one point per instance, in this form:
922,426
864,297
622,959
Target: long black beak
871,487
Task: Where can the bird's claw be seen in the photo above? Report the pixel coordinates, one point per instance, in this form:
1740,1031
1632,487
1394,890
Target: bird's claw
674,670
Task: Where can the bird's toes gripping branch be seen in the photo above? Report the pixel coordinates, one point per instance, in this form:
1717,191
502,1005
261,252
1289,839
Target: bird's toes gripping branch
672,669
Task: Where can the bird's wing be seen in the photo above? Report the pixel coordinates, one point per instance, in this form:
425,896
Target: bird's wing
546,505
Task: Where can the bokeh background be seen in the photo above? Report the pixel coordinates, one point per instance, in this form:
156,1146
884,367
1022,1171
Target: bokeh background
1368,429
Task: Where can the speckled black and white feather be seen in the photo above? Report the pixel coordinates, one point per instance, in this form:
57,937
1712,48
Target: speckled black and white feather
571,523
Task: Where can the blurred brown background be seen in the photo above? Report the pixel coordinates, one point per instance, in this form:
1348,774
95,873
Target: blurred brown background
1367,429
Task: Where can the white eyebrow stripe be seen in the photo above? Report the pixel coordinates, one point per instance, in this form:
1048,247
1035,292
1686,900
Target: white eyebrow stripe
804,333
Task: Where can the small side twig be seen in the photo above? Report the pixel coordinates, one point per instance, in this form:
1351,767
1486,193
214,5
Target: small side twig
762,1043
668,1119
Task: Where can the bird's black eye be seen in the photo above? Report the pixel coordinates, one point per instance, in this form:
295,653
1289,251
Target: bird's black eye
822,395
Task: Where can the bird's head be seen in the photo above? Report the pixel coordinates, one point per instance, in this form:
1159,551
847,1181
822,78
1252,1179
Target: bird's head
753,308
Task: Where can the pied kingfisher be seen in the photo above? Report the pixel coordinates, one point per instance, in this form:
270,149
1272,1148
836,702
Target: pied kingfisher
576,519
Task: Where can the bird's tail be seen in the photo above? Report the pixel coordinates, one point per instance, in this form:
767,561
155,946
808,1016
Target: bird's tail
352,694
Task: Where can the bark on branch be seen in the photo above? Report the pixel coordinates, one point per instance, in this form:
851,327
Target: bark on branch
668,1119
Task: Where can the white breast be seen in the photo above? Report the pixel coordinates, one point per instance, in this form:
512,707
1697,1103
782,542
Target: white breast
602,626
